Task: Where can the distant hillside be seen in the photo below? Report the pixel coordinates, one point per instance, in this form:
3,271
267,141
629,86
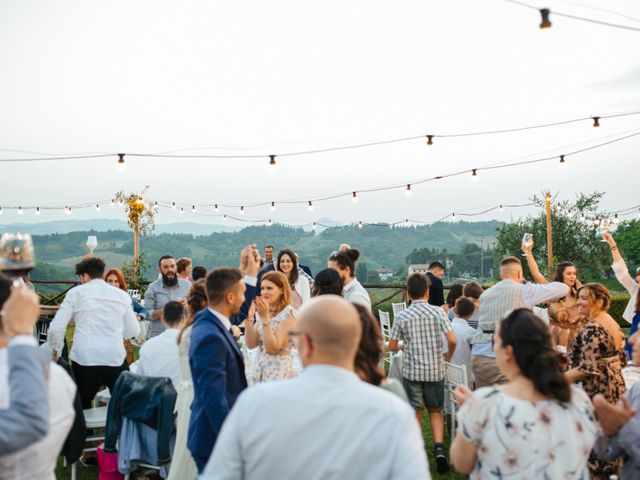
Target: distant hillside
380,246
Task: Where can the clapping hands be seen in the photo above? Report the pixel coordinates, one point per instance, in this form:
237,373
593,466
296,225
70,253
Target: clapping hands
250,261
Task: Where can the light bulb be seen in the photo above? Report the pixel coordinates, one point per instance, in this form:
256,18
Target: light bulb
242,210
545,23
272,160
215,208
311,207
429,139
596,222
225,217
37,212
193,209
113,203
582,217
596,121
501,208
408,191
181,211
20,212
354,197
314,225
360,225
453,216
273,206
1,212
121,167
474,175
406,222
563,163
97,207
615,218
269,224
173,205
68,210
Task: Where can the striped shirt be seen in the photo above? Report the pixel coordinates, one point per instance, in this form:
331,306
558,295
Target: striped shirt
421,326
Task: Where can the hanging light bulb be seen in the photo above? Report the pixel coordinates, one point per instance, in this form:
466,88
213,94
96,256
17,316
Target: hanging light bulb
173,205
215,208
181,211
121,167
272,161
37,212
406,222
596,222
68,210
113,202
408,191
501,208
1,211
545,23
269,224
474,175
225,217
314,226
596,121
120,202
563,163
311,207
242,210
582,218
193,209
354,197
360,225
453,216
20,212
615,218
97,207
273,206
429,139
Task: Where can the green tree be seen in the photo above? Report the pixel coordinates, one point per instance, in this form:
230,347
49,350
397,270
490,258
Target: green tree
362,271
574,240
627,235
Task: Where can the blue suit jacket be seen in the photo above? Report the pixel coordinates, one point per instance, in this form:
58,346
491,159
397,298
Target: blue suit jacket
217,369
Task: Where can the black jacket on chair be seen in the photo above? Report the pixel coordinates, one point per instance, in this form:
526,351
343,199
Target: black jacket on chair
149,400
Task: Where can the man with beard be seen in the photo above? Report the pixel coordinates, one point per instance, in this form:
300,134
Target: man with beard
165,289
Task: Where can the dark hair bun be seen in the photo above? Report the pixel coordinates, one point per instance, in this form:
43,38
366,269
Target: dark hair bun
353,254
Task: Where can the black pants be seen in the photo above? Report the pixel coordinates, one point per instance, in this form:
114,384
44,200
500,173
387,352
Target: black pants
89,379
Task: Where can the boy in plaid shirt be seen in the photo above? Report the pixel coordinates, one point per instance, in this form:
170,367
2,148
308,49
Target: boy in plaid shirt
421,326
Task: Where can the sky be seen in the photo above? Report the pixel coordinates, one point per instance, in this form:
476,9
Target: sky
255,77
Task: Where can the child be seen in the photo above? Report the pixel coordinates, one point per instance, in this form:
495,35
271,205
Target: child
464,308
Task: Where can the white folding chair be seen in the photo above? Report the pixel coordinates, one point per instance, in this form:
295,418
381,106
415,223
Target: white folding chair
385,327
94,418
454,375
398,307
134,293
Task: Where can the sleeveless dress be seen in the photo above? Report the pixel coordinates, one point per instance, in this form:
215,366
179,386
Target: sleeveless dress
268,367
595,352
182,464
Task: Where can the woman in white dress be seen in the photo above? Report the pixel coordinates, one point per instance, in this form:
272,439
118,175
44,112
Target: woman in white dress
287,263
182,464
267,327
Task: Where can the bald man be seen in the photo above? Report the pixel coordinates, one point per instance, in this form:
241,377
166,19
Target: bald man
495,304
325,423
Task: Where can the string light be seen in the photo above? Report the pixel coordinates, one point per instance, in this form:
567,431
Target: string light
193,209
314,226
474,175
408,191
20,212
1,211
360,225
272,160
121,167
181,211
68,210
242,210
97,207
121,202
563,163
545,23
615,218
215,208
354,197
596,121
429,139
37,212
453,216
501,208
582,217
173,205
225,217
311,207
273,206
113,203
269,223
596,222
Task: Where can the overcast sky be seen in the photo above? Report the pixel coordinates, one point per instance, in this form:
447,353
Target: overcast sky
258,77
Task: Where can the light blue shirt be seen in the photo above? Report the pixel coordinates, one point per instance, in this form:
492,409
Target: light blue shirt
324,424
157,296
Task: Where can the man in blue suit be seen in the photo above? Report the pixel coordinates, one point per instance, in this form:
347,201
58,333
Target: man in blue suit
217,366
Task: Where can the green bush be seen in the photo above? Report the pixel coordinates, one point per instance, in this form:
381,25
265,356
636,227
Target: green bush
618,304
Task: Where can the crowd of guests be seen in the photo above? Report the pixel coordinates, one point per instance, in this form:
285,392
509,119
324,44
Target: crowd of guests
545,396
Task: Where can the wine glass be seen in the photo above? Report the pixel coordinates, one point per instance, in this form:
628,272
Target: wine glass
527,241
92,243
604,227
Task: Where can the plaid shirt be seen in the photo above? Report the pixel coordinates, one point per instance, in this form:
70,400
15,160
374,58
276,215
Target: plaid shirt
421,326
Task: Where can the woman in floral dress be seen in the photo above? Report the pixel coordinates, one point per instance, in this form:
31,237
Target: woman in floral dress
270,318
597,357
536,426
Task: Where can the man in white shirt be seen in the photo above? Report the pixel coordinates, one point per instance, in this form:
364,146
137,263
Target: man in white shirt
325,423
103,318
159,355
495,304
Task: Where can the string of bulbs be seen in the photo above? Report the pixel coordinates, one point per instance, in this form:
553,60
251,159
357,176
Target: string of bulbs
121,165
545,14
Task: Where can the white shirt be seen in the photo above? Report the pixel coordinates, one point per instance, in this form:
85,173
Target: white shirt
531,294
159,357
356,293
38,460
103,317
226,323
462,355
622,274
325,424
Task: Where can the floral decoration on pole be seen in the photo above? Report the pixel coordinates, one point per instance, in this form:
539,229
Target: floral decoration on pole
140,217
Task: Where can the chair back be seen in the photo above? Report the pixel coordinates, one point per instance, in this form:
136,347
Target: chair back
398,307
385,324
454,375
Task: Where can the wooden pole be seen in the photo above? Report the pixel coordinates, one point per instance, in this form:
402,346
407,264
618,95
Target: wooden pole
136,248
547,201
